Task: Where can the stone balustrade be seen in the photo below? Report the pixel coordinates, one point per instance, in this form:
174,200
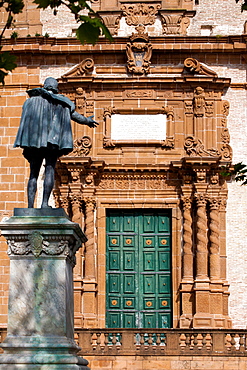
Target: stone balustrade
177,342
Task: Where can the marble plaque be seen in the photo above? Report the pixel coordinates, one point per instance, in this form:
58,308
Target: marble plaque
129,127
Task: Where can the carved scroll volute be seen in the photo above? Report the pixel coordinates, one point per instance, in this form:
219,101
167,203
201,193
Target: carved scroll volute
195,67
107,143
85,67
139,52
82,147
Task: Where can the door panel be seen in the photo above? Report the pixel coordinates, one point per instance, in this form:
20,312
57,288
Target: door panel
138,260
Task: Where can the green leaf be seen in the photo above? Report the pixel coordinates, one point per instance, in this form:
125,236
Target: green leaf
7,63
43,4
87,32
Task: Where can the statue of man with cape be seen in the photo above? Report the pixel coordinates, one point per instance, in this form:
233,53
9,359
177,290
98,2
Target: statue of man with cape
45,133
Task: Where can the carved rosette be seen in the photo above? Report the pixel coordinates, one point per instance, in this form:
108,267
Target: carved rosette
214,204
82,147
187,238
139,52
140,13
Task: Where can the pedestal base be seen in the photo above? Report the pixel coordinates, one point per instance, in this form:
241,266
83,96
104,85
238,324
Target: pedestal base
39,352
42,247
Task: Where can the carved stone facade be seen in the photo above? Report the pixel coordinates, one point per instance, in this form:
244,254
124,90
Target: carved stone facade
181,173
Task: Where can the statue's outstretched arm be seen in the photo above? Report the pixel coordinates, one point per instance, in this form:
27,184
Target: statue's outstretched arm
77,117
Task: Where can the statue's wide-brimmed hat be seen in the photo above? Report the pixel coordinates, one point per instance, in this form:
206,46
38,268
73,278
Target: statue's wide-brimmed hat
51,84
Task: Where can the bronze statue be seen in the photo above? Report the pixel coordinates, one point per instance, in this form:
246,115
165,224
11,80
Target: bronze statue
45,133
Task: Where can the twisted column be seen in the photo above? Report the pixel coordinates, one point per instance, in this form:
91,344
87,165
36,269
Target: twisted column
187,239
75,201
214,239
201,250
89,231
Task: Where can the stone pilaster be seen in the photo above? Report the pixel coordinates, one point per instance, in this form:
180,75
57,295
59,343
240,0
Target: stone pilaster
41,245
89,282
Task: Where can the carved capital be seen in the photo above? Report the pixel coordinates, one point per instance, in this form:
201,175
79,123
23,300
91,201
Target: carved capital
186,202
111,20
174,23
214,203
90,203
201,199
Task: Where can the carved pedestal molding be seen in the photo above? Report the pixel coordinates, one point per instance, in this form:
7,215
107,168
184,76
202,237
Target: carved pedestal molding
41,245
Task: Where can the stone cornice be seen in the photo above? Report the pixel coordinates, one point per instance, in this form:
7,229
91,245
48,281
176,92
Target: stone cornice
53,45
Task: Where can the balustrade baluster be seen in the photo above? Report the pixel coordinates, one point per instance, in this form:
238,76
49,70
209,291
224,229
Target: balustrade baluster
195,341
158,341
204,341
114,339
182,341
241,343
142,340
233,342
106,339
188,340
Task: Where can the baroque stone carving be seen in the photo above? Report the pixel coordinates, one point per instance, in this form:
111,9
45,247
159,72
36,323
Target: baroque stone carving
174,23
169,142
225,112
199,102
82,147
140,13
36,245
128,181
139,52
86,66
194,147
225,136
194,66
214,238
111,20
226,152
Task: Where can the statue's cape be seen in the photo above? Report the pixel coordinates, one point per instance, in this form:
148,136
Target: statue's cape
46,121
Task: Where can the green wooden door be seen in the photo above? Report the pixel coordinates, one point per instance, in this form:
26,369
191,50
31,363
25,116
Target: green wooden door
138,277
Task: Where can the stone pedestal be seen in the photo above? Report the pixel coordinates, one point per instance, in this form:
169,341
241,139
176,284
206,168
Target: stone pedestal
41,246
